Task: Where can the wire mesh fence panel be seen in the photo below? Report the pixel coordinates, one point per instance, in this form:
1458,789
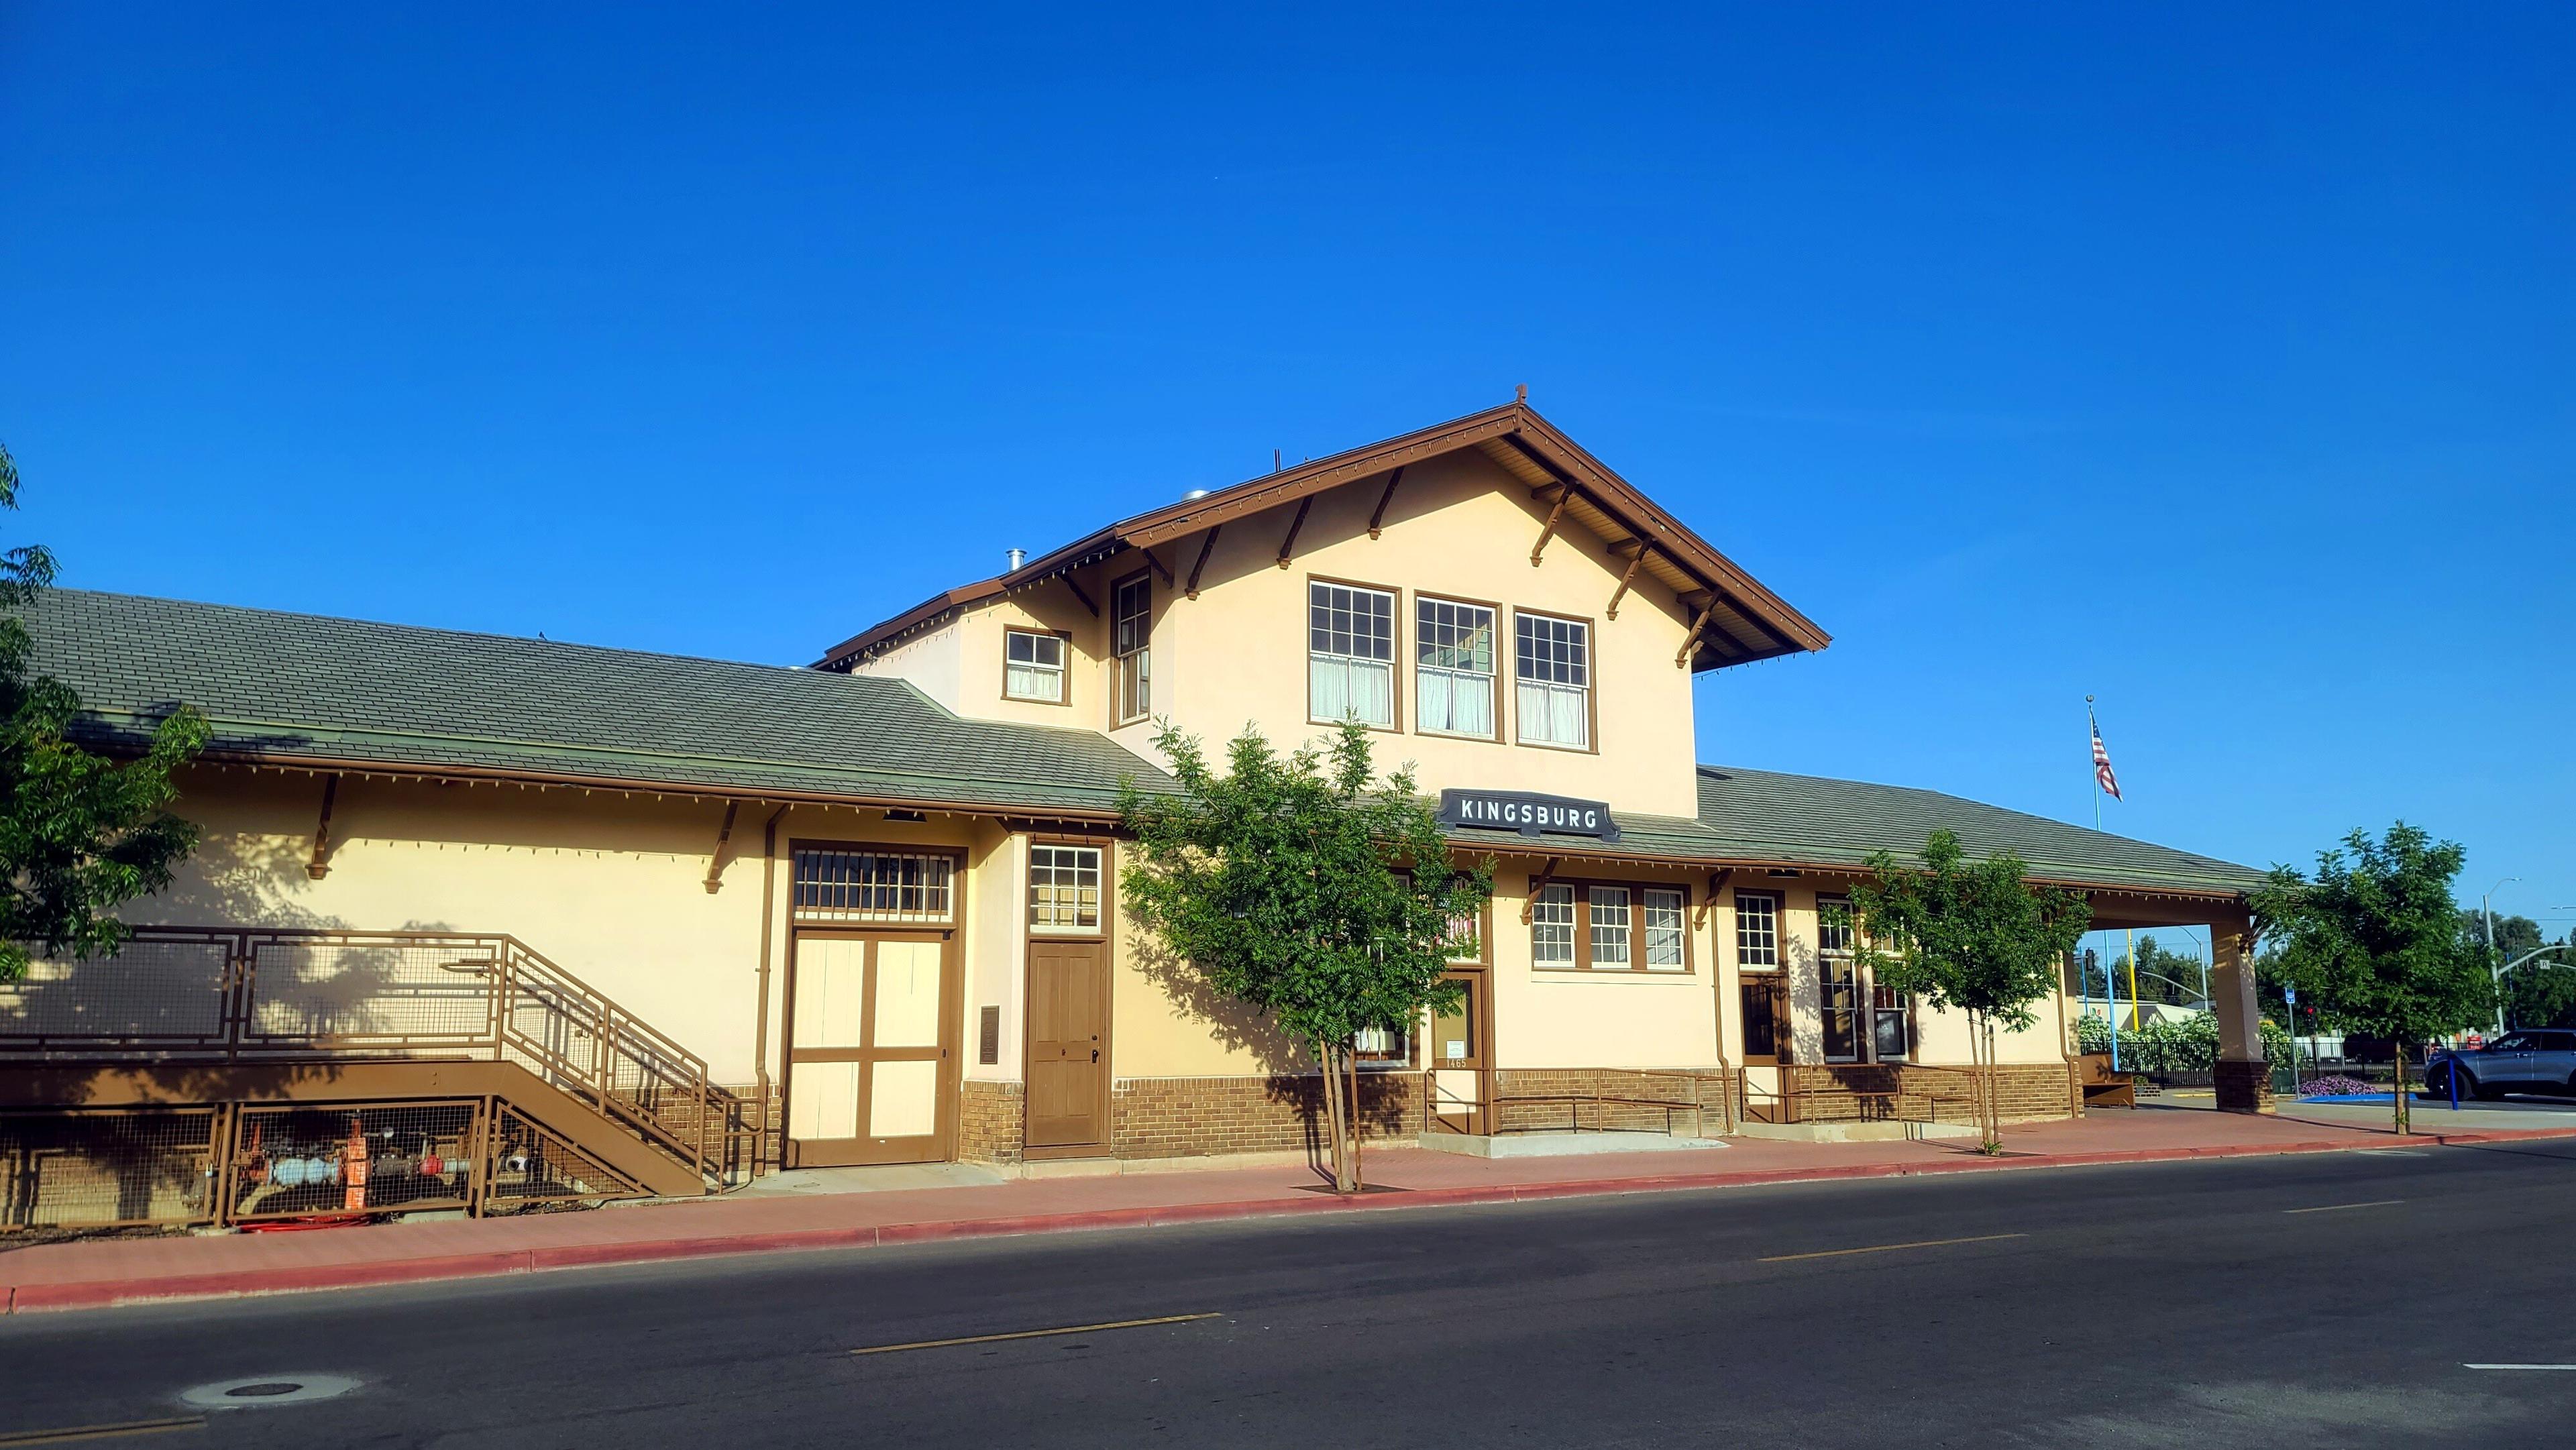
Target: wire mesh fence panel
102,1169
330,1159
390,992
151,993
531,1165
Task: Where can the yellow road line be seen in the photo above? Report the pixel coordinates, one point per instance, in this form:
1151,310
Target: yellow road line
2340,1207
1029,1334
1888,1248
101,1432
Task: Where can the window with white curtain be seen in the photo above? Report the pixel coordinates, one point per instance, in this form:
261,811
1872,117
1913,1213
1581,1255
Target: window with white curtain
1453,668
1552,665
1033,666
1131,631
1350,654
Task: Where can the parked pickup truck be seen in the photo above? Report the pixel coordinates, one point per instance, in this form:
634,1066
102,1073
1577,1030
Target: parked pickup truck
2529,1061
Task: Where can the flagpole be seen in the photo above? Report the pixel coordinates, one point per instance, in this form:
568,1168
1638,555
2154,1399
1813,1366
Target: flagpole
2110,992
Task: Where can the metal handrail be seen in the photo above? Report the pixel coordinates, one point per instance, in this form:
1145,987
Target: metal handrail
532,1012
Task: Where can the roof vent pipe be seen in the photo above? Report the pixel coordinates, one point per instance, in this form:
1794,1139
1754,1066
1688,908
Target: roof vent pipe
1017,558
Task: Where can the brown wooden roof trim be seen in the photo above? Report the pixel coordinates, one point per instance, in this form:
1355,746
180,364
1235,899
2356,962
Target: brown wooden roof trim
1515,424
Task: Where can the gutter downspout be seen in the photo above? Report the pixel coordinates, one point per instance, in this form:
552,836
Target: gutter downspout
768,914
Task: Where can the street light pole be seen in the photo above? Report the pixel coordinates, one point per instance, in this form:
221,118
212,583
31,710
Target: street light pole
2487,912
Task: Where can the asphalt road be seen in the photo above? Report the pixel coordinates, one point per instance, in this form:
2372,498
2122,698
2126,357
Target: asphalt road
2330,1300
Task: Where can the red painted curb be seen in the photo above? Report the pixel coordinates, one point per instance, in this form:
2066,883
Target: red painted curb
28,1298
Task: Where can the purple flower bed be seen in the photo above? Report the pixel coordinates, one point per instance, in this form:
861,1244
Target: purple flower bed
2338,1087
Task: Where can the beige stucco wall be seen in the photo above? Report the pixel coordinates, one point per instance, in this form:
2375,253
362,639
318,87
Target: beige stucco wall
1560,1018
1459,528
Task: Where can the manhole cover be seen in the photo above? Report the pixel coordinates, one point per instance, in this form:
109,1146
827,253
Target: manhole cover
274,1389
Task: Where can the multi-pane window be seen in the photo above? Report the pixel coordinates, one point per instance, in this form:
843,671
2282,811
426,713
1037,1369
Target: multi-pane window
1467,938
1453,668
1623,928
1610,927
1350,654
1891,1024
1552,664
1664,940
1757,931
841,885
1837,980
1033,666
1552,927
1064,888
1382,1046
1131,628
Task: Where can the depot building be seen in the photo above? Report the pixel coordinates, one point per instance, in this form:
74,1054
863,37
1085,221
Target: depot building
876,899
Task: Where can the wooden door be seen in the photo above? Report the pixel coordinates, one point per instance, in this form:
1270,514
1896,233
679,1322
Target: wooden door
1068,1045
1762,1017
1461,1061
871,1049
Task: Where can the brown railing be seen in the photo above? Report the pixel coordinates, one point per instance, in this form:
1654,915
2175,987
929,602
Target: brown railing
196,994
1574,1103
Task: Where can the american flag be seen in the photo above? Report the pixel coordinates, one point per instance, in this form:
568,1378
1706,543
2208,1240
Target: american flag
2102,775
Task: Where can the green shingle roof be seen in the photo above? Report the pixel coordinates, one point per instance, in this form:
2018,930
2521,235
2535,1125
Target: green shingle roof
1806,820
309,687
317,690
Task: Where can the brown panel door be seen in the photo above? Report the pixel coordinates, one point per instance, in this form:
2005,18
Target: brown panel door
1068,1044
871,1058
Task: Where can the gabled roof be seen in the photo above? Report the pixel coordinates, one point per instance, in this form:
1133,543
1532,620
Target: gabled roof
1764,817
1744,620
309,690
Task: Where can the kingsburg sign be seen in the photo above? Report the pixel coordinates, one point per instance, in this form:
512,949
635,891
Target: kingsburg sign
1530,814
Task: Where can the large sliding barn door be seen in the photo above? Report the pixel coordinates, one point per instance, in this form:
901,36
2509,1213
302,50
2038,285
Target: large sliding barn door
872,1040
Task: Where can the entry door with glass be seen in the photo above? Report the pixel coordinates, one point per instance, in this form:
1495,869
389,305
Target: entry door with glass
870,1040
1458,1053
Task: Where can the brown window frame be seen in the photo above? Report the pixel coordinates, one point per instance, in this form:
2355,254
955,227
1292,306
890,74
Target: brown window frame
1064,666
1735,916
1583,924
1591,681
1394,645
1142,655
1099,929
1501,662
1847,957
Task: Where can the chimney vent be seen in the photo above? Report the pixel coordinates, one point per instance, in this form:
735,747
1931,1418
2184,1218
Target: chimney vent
1017,558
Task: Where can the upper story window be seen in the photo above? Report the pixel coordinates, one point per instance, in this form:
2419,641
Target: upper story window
1552,662
1033,666
1131,627
1350,654
1757,931
1064,889
1453,669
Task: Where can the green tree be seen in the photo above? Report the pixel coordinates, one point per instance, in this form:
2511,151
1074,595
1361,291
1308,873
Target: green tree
1971,936
80,834
2373,938
2542,991
1295,885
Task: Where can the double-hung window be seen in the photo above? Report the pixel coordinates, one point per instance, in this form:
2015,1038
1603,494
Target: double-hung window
1609,928
1453,668
1033,666
1131,614
1350,654
1552,666
1837,980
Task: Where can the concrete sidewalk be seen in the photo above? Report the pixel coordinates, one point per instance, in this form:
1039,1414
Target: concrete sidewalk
112,1271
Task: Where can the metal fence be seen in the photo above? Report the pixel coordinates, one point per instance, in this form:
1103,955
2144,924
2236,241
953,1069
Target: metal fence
231,994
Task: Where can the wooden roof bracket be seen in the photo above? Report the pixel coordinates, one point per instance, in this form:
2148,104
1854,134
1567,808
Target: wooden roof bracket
724,833
1200,567
1297,525
1377,519
1690,642
1538,883
1087,602
320,865
1157,566
1708,903
1635,560
1555,516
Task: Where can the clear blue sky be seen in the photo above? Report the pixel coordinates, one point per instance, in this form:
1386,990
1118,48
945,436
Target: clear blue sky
2215,363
